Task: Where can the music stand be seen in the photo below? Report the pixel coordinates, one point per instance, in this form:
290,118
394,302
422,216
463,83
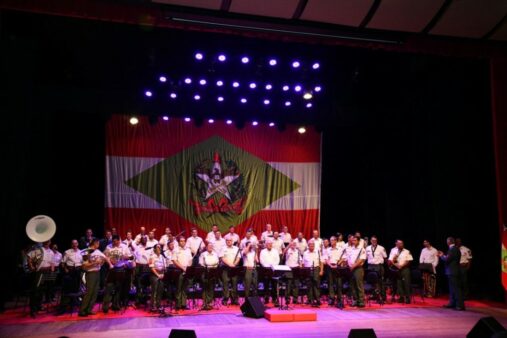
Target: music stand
303,274
171,276
211,274
281,273
194,273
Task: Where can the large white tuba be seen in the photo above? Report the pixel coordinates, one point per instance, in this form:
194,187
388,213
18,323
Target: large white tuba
39,229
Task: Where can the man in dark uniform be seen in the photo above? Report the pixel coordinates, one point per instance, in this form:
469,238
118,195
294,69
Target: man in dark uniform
452,270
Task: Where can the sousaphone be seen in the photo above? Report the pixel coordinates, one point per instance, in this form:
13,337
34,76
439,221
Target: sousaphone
39,229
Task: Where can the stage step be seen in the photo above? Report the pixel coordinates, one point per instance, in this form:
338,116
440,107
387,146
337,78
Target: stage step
300,315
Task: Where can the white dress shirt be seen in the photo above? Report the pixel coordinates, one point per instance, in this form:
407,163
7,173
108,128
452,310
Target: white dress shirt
268,258
233,236
218,244
229,254
159,262
73,258
278,245
208,259
466,255
57,258
333,255
405,255
355,254
318,243
93,257
210,236
312,259
183,257
48,258
266,235
301,245
429,256
118,254
253,239
249,259
286,237
194,244
293,258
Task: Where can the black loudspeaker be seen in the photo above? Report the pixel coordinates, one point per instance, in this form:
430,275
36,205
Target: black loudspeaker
487,327
362,333
253,308
175,333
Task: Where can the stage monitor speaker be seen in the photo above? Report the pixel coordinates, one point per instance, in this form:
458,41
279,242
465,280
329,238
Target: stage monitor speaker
253,307
176,333
362,333
487,327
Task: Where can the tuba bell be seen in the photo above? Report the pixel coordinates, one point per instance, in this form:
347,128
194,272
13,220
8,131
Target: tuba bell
39,229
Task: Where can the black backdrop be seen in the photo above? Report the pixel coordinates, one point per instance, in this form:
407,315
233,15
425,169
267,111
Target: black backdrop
407,144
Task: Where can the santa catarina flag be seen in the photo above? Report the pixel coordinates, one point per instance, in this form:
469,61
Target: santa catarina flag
178,175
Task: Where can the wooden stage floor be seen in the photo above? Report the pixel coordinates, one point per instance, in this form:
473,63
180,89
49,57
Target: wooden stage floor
426,319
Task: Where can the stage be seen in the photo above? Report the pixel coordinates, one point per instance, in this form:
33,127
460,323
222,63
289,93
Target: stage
422,319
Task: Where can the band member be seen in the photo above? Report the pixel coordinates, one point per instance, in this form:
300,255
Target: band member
293,259
107,240
218,242
361,240
317,240
301,243
356,256
339,240
232,235
165,237
142,233
428,261
209,259
115,291
182,259
157,264
151,242
71,264
84,242
335,256
376,255
399,260
129,241
268,233
250,261
312,259
141,272
250,238
464,265
230,257
278,243
92,261
285,236
452,270
269,257
45,267
211,235
195,244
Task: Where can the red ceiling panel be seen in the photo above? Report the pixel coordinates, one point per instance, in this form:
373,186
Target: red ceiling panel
208,4
275,8
341,12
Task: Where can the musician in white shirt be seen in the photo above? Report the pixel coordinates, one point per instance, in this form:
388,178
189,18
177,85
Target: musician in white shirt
376,255
312,259
151,242
209,259
362,242
71,262
400,259
269,257
158,265
218,242
195,243
232,235
277,243
45,267
250,261
428,260
230,257
356,256
182,259
267,234
141,258
293,259
464,265
165,237
317,240
334,256
142,233
211,235
249,238
301,243
285,236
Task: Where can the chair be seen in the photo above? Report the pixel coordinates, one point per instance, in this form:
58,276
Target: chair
416,284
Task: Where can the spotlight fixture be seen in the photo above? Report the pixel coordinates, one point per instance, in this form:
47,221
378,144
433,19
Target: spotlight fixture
162,79
269,86
165,118
197,97
255,123
220,83
253,85
285,88
245,59
228,121
272,62
199,56
221,58
287,103
266,102
316,65
211,121
309,105
302,130
188,80
220,99
271,124
202,82
173,95
296,64
134,120
235,84
243,100
317,88
187,119
148,93
297,88
307,96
